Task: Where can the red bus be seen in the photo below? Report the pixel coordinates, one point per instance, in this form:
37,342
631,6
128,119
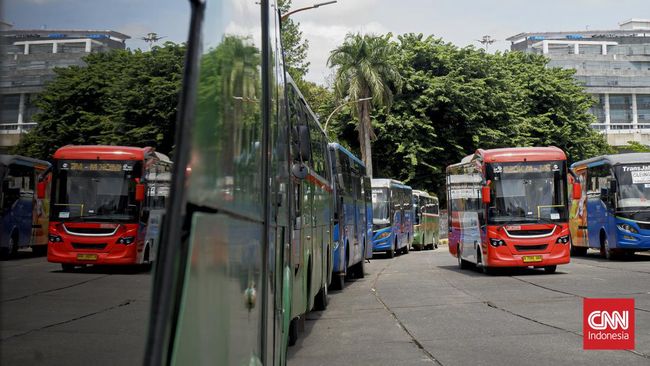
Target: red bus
106,205
509,208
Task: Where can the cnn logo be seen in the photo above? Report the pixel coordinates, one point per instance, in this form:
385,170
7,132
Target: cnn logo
608,323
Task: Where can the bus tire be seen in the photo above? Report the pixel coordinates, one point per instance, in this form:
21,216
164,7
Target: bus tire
359,268
550,269
578,251
391,252
338,281
605,251
479,262
293,331
321,300
462,264
406,248
67,267
13,244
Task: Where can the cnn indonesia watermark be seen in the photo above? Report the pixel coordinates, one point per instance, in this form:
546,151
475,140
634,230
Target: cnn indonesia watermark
608,324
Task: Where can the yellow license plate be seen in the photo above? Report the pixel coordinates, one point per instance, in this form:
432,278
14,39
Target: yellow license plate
532,258
86,257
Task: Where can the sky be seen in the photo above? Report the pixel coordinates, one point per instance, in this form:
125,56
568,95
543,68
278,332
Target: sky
461,22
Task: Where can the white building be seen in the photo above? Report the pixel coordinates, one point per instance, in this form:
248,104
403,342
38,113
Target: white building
613,65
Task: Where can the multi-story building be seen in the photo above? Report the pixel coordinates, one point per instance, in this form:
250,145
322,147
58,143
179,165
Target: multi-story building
27,63
613,65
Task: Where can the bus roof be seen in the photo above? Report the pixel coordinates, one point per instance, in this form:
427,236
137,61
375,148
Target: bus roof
7,160
616,159
417,192
386,183
337,146
103,152
514,154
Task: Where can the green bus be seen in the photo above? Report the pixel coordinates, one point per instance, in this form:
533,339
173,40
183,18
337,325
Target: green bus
246,242
426,228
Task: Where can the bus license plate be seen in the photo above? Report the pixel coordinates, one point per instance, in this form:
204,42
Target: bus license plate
86,257
532,258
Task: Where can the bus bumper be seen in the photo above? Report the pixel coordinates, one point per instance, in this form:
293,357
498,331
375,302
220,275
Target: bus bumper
119,254
503,257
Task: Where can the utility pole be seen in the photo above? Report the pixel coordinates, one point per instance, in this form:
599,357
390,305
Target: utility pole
486,41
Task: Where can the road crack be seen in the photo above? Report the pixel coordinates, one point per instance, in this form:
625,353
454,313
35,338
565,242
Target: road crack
122,304
415,341
54,289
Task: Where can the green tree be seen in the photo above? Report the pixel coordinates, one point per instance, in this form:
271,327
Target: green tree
293,44
456,100
365,69
121,97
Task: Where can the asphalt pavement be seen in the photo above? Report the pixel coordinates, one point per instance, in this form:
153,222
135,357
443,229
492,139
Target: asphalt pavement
94,316
415,309
421,309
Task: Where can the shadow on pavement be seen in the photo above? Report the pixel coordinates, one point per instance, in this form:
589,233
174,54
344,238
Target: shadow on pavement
103,269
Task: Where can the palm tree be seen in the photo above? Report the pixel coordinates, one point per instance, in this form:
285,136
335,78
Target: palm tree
365,70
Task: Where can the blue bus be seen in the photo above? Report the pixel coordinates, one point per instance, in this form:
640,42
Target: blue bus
613,213
23,215
392,216
353,212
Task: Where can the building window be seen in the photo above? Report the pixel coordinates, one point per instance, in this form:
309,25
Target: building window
598,109
643,108
9,104
30,108
620,108
40,48
79,47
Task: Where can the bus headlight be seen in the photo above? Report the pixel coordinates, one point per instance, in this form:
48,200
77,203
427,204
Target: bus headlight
497,242
383,235
55,238
628,228
126,240
563,239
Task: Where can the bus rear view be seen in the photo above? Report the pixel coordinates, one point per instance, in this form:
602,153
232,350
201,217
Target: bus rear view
107,203
508,208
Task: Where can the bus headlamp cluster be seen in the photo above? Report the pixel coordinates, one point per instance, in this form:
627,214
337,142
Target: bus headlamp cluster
628,228
563,239
497,242
126,240
383,235
55,238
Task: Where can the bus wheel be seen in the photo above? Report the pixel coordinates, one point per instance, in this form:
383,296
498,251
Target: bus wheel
293,331
67,267
13,244
146,261
462,264
321,300
605,251
359,269
338,281
406,249
550,269
391,252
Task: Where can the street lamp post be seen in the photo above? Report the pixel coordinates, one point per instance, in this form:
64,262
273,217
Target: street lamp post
285,16
341,106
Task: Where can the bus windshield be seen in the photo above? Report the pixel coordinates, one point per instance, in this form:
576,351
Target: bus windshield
380,201
527,192
94,190
633,186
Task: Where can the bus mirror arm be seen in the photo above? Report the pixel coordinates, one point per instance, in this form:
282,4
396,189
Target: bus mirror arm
40,190
577,191
139,192
485,192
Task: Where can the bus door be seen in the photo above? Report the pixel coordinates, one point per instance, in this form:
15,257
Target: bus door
596,208
579,213
41,214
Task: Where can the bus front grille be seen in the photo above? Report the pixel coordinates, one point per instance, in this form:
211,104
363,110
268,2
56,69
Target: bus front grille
98,246
525,248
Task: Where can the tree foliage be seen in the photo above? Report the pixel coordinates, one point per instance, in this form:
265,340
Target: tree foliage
121,97
294,45
456,100
365,70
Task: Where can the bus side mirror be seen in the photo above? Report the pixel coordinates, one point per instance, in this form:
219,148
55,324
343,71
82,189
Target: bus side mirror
577,191
485,193
139,192
304,148
40,190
